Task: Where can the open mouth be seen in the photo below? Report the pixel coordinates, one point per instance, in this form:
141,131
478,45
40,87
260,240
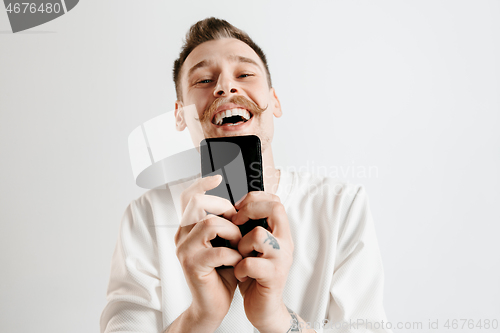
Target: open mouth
231,117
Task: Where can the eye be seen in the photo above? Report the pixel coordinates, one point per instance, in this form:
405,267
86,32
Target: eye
204,81
245,75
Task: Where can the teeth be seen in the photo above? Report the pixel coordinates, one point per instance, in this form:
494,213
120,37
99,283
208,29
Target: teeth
229,113
218,119
245,114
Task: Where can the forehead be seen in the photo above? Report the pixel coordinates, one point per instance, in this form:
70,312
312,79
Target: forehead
219,51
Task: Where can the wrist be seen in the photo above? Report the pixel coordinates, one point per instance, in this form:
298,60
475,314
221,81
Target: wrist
199,321
289,322
279,322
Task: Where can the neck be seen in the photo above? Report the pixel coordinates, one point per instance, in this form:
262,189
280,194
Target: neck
271,175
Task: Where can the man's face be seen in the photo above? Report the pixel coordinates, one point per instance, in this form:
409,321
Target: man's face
223,78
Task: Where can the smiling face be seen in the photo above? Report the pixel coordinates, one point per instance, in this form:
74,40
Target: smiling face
226,81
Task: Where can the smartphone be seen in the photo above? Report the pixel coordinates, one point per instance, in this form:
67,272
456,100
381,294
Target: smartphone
238,159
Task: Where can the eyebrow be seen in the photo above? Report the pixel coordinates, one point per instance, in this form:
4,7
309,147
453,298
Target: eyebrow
242,59
234,58
201,64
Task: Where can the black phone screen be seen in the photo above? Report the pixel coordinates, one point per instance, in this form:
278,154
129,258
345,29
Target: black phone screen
238,160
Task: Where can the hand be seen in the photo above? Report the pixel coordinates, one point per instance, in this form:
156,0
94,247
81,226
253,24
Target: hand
212,289
262,278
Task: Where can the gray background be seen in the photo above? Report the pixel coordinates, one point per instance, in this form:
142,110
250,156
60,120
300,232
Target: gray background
412,88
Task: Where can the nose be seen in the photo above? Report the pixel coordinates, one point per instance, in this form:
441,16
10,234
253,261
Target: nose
225,87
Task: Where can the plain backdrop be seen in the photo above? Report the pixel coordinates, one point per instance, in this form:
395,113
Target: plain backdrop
410,89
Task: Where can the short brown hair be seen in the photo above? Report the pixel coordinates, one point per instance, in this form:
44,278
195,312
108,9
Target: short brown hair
211,29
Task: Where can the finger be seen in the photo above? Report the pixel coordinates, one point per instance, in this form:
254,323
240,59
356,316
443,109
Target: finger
208,229
200,186
256,196
197,211
260,269
227,274
260,240
272,210
181,233
213,257
200,204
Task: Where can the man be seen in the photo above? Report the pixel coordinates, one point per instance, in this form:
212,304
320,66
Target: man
318,264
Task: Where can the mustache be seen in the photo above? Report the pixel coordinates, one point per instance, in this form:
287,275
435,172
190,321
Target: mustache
239,100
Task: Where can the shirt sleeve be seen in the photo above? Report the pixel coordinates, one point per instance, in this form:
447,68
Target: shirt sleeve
134,290
357,286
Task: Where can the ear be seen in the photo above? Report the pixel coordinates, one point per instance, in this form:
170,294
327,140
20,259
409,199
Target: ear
277,105
180,121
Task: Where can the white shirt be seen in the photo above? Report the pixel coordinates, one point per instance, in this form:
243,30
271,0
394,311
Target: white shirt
336,277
